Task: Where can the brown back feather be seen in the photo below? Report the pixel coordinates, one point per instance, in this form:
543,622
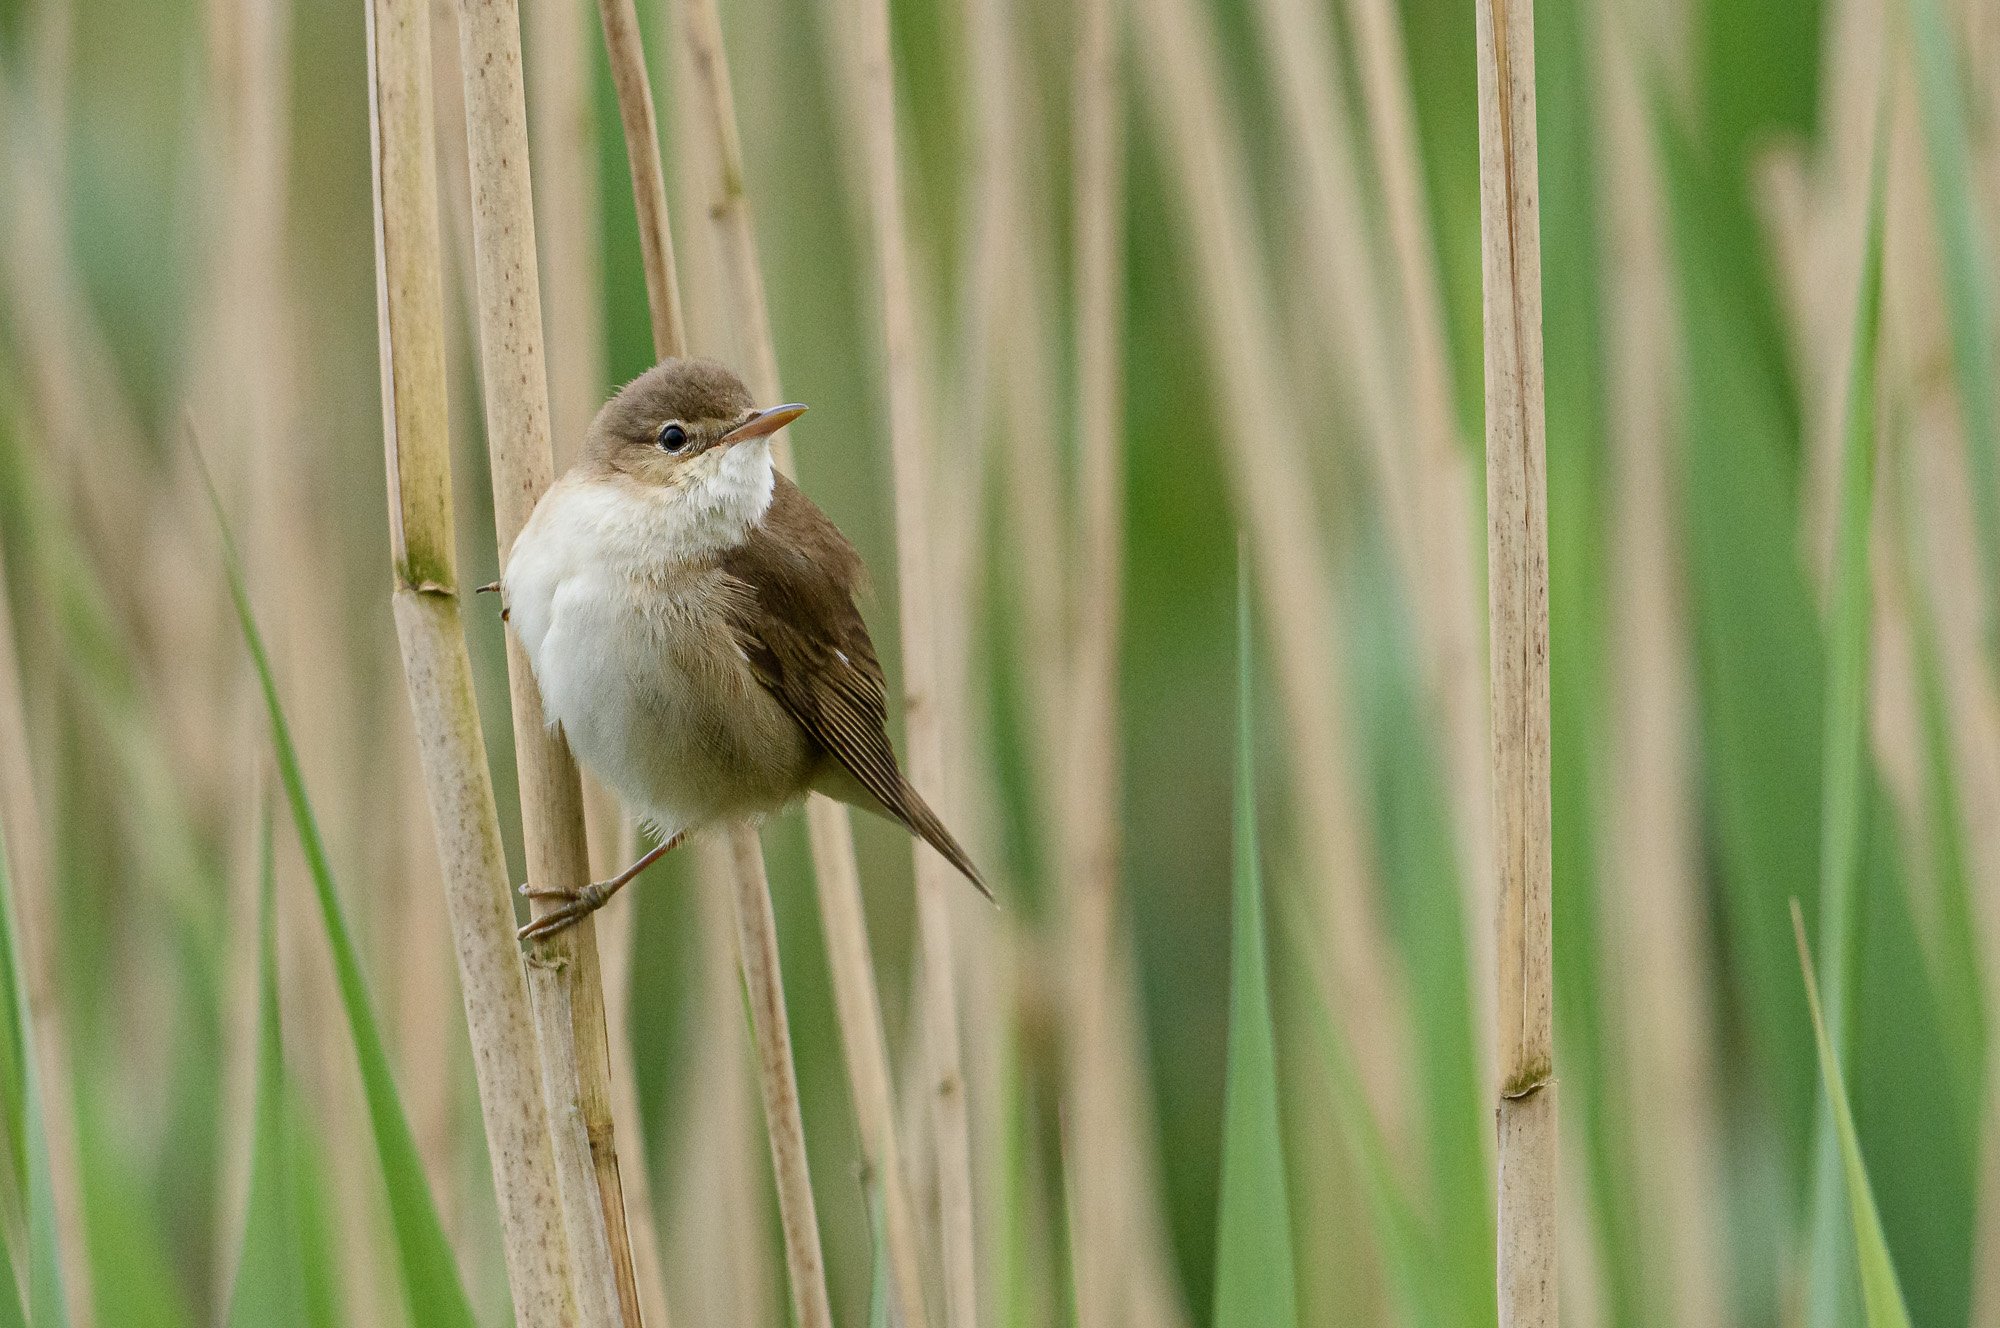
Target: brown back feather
807,644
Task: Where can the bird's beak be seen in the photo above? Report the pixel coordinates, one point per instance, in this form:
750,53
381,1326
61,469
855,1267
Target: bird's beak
763,424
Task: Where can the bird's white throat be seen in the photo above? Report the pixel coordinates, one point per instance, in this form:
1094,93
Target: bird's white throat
717,498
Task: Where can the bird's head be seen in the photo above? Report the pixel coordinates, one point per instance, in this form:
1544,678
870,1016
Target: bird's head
688,425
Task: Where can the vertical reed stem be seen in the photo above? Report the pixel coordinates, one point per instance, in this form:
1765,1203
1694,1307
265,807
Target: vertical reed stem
1518,595
874,87
756,922
439,671
1091,792
757,933
857,1001
649,180
563,969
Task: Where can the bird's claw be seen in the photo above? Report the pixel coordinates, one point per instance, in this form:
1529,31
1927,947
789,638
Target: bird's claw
580,905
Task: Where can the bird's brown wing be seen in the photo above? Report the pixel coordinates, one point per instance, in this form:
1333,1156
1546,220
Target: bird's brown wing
795,618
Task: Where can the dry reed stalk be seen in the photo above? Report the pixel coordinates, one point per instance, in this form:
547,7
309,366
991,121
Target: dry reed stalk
726,1270
438,670
649,180
1440,476
564,980
35,913
563,140
857,1000
872,87
562,135
1267,457
1658,937
1518,593
1091,793
617,929
757,932
769,1024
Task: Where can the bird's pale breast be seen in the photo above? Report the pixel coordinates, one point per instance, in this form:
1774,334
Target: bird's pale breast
638,665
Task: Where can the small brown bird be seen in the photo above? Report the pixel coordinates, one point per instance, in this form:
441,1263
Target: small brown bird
690,617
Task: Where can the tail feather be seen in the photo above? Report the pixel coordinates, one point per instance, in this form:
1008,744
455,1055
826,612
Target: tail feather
917,816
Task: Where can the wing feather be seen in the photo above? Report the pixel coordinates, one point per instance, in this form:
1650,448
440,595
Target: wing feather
794,616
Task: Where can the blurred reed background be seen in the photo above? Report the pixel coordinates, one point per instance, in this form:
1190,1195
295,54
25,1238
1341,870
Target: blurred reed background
1091,302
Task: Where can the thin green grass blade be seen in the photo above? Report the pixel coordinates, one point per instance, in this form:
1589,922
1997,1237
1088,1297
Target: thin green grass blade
311,1218
1255,1286
47,1303
1968,289
432,1288
1881,1293
269,1280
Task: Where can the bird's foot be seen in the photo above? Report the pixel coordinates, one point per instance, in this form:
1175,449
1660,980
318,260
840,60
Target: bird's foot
577,905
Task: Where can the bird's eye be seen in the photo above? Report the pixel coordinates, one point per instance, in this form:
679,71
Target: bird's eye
673,438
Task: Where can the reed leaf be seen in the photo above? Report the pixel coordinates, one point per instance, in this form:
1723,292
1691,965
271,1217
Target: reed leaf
431,1286
1881,1294
270,1276
1255,1286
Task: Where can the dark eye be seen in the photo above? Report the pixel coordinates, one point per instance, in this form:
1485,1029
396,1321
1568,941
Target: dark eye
673,438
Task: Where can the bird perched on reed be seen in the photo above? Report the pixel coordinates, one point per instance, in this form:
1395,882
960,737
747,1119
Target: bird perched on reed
690,617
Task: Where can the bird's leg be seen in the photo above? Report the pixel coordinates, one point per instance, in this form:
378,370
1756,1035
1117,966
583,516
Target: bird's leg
582,903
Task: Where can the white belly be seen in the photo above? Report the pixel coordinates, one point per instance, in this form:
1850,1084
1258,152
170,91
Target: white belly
643,676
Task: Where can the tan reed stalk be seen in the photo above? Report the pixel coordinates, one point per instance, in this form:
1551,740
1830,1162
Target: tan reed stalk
776,1076
35,913
649,180
1268,462
871,84
617,930
563,138
725,1267
1657,935
1440,469
1518,591
1091,791
465,818
857,1000
562,135
564,979
757,928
